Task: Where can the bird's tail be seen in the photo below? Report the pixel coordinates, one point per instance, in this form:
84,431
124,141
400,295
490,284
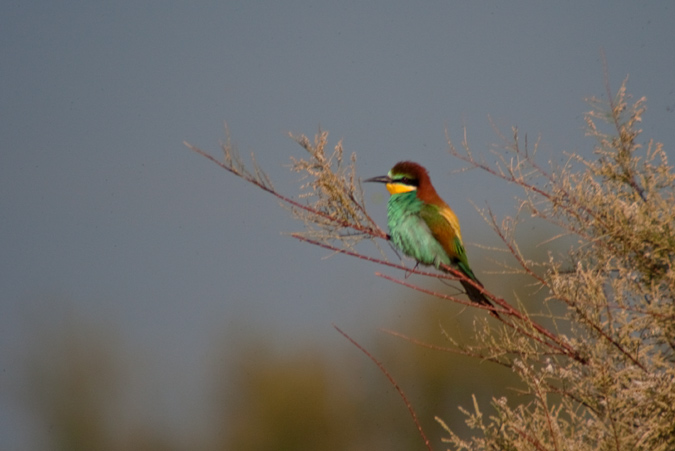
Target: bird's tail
477,296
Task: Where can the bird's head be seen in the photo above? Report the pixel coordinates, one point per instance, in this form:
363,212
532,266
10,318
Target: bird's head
404,177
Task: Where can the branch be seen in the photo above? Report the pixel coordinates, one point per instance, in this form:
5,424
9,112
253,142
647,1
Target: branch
393,382
457,351
555,342
261,181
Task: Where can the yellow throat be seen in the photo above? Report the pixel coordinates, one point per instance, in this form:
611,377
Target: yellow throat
398,188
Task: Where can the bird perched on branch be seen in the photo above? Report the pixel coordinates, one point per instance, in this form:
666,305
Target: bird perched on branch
424,227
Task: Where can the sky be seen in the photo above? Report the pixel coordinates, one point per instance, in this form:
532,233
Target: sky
108,219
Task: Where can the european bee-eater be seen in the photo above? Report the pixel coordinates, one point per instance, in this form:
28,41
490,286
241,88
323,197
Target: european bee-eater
423,226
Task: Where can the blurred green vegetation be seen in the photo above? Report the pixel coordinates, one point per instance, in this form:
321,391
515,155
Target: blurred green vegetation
305,399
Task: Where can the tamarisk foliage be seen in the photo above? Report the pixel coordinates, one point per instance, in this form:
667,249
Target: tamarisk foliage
601,374
618,289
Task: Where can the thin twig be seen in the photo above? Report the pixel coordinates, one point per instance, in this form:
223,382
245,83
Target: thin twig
393,382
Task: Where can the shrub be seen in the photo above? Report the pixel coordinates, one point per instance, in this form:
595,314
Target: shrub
601,375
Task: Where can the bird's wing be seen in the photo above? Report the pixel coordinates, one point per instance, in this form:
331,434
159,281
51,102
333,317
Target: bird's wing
444,226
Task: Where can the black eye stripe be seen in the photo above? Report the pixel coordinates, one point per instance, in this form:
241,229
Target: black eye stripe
408,181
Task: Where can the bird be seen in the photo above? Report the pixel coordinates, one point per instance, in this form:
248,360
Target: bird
422,226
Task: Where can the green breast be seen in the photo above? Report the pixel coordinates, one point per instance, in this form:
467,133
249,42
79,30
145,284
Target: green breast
410,233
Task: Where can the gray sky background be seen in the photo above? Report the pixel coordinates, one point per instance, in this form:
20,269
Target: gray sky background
108,219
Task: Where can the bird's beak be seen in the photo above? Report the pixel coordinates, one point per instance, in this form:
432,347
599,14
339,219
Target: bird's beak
380,179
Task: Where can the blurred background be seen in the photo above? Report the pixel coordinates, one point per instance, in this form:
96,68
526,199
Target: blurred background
151,301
